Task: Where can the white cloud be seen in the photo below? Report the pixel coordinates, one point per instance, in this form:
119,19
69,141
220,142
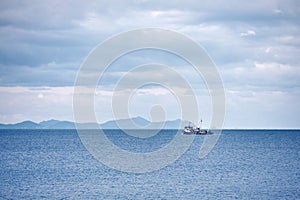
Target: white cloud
264,75
276,68
35,103
268,50
40,96
248,33
277,11
262,109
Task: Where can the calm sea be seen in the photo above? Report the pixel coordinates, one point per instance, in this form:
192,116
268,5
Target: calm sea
245,164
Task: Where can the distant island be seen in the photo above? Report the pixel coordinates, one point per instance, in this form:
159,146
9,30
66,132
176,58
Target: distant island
57,124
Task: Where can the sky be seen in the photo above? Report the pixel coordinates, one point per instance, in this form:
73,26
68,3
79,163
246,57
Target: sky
254,44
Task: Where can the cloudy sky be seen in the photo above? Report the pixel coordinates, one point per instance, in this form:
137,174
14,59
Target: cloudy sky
255,45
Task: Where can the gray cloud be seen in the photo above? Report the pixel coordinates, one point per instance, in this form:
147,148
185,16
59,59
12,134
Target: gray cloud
43,43
45,75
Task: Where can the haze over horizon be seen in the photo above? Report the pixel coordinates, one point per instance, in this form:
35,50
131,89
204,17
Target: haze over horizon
255,46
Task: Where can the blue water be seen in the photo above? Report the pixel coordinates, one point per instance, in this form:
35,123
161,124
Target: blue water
54,164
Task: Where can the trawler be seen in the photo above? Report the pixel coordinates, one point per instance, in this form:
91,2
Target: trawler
195,130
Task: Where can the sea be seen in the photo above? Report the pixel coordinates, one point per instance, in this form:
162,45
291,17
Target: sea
244,164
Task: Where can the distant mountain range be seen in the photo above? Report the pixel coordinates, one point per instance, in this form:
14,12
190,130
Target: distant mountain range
56,124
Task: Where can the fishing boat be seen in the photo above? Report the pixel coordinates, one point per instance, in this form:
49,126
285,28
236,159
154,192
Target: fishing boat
188,130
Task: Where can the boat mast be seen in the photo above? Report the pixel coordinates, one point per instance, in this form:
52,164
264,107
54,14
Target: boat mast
200,124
